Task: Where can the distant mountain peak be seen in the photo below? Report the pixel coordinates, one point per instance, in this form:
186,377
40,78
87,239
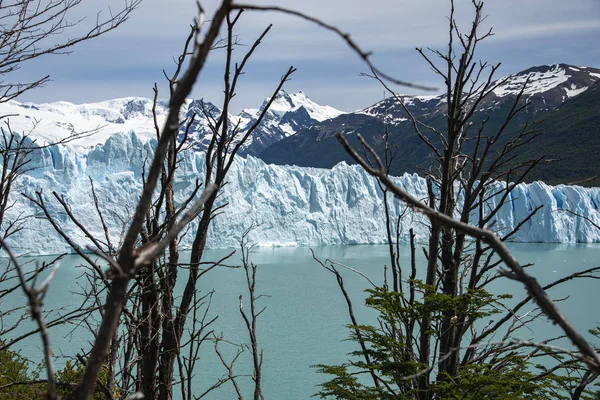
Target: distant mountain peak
288,113
548,86
289,102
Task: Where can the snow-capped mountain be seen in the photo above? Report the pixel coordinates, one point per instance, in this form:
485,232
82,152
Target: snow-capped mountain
545,87
288,114
549,86
548,89
51,122
295,206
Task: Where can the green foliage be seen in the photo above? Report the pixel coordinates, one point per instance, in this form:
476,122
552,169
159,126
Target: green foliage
509,379
346,385
71,374
393,307
19,380
15,374
391,356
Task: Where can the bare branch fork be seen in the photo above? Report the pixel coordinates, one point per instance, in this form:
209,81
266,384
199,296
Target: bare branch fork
226,141
35,297
129,254
516,272
340,281
250,319
364,55
28,26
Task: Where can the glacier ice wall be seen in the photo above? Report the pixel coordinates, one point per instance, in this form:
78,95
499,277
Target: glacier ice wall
294,206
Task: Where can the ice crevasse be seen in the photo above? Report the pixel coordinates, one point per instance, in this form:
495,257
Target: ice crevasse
293,206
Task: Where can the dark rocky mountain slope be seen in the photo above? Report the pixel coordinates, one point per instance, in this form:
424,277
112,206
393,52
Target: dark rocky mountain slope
564,97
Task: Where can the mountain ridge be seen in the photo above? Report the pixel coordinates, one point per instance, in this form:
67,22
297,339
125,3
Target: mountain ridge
51,122
551,86
298,131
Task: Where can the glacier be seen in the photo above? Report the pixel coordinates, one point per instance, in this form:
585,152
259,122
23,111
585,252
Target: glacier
294,206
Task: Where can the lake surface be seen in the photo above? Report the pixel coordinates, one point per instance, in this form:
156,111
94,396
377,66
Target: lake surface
304,323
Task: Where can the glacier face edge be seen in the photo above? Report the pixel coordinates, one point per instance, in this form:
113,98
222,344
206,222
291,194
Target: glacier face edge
294,206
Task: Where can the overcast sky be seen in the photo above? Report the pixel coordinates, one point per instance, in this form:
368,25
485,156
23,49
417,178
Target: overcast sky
127,61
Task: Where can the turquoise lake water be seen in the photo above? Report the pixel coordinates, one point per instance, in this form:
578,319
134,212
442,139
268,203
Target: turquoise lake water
303,324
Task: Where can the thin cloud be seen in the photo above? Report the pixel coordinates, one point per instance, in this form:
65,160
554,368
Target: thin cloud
130,59
551,29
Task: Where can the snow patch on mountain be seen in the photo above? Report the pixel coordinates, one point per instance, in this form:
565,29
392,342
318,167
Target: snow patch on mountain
574,90
392,111
539,80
